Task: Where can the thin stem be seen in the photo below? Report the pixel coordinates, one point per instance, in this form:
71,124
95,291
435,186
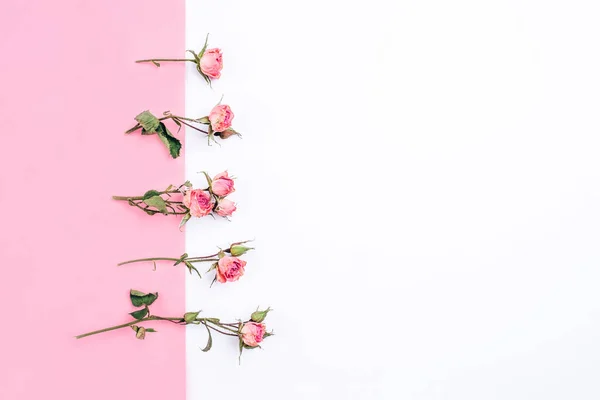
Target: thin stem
166,59
148,259
203,321
202,260
113,328
216,330
184,118
126,198
191,126
192,259
224,326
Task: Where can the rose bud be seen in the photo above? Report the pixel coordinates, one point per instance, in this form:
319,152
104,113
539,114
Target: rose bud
222,185
220,118
211,63
237,250
140,333
230,269
199,202
225,208
253,333
227,133
259,316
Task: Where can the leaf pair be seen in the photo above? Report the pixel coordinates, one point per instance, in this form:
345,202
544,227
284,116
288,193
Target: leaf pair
153,126
141,299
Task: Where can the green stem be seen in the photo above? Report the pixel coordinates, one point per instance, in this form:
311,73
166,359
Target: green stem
223,326
148,259
126,198
166,59
113,328
193,260
204,321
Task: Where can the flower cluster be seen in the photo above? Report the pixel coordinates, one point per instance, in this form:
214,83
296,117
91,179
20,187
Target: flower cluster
218,120
227,264
250,333
188,202
209,62
194,202
201,202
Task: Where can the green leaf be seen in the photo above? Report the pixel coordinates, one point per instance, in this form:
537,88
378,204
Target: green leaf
139,314
172,143
213,266
213,320
209,343
146,133
150,193
199,56
139,299
181,259
191,268
184,220
190,316
195,55
187,184
148,121
152,330
158,203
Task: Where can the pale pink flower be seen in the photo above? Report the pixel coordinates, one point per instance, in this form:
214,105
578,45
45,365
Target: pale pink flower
230,269
222,184
200,202
225,208
211,63
253,333
220,117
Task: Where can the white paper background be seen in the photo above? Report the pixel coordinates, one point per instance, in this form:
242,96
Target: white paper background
421,178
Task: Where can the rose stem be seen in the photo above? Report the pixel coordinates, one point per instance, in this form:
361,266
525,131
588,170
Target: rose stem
166,59
141,197
193,259
112,328
157,318
148,259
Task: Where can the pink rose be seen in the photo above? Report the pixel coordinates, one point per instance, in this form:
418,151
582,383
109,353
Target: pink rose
229,269
253,333
222,184
199,202
225,208
220,117
211,63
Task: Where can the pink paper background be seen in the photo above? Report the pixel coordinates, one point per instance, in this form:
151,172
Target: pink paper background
69,88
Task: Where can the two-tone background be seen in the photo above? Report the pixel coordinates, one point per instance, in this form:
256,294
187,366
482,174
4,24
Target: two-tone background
420,178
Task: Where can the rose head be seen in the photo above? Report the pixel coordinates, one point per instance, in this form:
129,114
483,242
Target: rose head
220,117
229,269
222,185
225,208
253,333
199,202
211,63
